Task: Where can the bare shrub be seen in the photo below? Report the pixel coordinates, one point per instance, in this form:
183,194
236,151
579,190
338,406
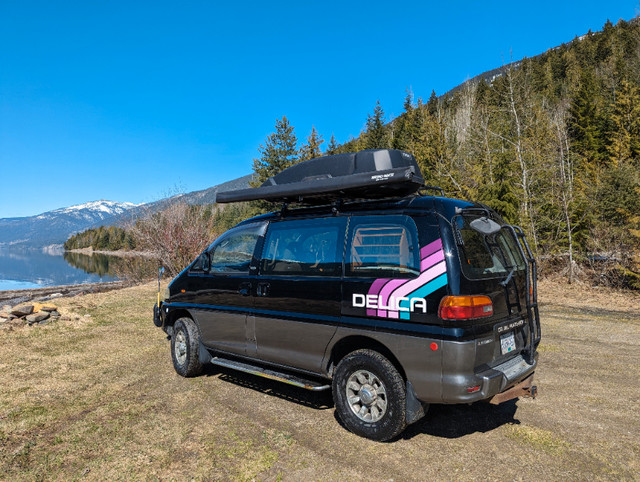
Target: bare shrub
175,235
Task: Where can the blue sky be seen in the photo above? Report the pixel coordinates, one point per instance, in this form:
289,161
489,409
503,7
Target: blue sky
131,101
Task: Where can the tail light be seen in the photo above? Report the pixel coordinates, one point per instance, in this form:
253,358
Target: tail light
465,307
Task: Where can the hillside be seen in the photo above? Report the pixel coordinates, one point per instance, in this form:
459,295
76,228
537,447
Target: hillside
551,142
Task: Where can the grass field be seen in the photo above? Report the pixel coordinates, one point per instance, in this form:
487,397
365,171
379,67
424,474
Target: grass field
94,396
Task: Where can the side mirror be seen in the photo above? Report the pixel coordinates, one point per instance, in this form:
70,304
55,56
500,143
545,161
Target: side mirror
205,261
485,225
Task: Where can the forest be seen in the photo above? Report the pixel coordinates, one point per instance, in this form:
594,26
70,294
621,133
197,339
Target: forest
551,142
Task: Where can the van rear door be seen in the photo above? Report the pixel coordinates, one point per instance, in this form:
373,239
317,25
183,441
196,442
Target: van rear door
492,263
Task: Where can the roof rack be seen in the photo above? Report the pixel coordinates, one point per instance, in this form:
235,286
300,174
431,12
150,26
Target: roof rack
369,174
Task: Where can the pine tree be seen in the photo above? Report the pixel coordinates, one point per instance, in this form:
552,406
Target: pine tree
278,153
402,125
432,103
585,121
332,148
311,149
624,137
376,135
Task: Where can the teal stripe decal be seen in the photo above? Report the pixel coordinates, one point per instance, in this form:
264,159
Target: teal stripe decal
423,292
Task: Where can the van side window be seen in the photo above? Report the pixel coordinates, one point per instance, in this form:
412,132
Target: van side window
383,247
233,252
308,248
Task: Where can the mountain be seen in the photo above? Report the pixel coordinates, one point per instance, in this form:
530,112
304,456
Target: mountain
54,227
205,196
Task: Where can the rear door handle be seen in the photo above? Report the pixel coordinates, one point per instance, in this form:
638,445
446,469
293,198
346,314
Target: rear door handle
245,289
263,289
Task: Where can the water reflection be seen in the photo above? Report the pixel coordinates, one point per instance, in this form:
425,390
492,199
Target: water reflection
96,263
131,267
31,268
25,268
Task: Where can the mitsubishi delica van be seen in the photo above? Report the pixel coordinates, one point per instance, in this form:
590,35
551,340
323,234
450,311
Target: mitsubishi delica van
365,283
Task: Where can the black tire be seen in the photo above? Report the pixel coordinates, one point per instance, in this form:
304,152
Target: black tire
184,348
380,400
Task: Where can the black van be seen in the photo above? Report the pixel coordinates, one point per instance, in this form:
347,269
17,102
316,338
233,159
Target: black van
392,298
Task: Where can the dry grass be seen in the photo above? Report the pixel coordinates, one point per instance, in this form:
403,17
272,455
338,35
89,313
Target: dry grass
96,397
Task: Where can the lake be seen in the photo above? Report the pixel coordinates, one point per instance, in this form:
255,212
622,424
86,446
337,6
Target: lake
25,269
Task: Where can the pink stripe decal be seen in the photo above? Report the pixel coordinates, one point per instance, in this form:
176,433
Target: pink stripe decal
429,261
430,248
420,281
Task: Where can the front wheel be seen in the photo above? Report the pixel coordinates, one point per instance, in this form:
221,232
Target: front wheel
370,395
184,348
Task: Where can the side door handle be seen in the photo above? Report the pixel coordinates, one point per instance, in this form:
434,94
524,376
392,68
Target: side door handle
244,289
263,289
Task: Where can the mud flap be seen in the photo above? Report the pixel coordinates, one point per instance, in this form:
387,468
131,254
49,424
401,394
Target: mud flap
203,354
414,409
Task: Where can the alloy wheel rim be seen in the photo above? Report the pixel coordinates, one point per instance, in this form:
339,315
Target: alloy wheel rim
180,347
366,396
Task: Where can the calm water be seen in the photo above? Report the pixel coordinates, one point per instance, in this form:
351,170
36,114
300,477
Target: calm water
23,269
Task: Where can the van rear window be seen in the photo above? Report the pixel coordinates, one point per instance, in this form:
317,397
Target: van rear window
486,255
383,249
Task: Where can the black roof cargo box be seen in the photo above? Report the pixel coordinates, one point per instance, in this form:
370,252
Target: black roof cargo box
370,174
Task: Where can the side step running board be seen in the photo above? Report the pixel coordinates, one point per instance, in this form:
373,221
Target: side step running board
271,374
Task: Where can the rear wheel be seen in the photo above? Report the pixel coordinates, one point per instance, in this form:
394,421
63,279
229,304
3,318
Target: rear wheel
184,348
370,395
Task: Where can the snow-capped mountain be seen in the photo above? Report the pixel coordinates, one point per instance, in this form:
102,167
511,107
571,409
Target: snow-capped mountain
54,227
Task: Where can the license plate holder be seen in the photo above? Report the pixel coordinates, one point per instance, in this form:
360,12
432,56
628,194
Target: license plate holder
507,343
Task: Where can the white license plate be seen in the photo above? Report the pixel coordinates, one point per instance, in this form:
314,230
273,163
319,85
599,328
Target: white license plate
507,343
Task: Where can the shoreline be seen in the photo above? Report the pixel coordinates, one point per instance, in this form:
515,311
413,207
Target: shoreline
13,297
121,254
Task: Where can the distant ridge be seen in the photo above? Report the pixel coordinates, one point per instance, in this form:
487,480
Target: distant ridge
55,227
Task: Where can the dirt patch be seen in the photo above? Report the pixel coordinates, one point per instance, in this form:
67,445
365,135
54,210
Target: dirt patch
96,397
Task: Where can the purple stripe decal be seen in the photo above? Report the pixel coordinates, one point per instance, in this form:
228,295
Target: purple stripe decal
374,290
386,291
377,286
430,248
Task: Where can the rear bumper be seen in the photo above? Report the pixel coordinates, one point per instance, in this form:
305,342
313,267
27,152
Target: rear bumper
490,383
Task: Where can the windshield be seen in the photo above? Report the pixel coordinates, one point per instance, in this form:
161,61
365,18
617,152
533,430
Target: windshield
486,255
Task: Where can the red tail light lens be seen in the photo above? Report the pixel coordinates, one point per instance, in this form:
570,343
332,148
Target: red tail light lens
465,307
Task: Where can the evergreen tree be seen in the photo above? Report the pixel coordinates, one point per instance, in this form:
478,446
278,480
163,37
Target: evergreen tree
377,134
432,103
585,121
332,148
402,125
311,149
624,137
278,153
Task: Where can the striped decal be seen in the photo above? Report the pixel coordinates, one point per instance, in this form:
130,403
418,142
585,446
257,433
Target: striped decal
433,276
